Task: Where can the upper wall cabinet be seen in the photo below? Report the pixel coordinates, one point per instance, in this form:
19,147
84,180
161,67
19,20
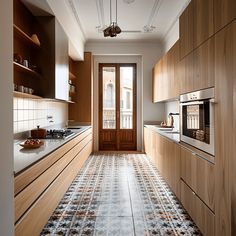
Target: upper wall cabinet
54,59
165,84
224,13
203,21
186,31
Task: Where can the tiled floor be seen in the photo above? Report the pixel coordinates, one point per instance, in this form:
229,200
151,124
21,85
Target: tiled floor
120,194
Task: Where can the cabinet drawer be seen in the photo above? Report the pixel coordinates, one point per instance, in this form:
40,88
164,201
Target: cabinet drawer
199,174
38,214
29,175
199,212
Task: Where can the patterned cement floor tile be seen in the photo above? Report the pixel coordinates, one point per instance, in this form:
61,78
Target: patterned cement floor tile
120,194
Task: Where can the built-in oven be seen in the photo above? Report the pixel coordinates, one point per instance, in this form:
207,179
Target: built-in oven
197,119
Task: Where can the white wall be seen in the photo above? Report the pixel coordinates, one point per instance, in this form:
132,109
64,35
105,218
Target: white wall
172,36
6,121
173,107
146,54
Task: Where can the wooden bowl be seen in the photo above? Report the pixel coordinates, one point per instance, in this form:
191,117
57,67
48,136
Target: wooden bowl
31,146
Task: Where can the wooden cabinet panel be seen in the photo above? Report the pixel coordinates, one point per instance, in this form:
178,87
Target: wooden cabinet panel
36,217
26,197
186,31
199,174
82,109
200,213
224,13
204,73
203,21
185,74
225,61
165,154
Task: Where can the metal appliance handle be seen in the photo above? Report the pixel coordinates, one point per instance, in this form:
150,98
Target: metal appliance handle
191,103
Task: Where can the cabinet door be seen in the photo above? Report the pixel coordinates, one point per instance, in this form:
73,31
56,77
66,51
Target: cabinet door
186,31
225,61
204,73
203,21
185,74
199,212
224,13
165,79
62,64
199,174
155,84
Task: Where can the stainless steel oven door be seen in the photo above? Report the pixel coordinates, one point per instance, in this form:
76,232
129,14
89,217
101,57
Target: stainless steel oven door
208,147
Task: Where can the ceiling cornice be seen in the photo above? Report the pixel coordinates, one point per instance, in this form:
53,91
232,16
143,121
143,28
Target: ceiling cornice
73,9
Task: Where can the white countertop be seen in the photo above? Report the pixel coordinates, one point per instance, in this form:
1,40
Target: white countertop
166,132
24,158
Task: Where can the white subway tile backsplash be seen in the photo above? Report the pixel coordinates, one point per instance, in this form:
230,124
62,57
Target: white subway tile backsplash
29,113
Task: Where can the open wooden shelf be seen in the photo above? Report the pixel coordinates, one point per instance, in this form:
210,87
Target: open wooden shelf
22,68
22,35
26,95
71,76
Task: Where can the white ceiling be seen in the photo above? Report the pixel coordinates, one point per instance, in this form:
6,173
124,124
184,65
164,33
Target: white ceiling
93,15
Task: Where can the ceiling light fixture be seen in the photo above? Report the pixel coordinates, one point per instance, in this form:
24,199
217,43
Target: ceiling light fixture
113,29
128,1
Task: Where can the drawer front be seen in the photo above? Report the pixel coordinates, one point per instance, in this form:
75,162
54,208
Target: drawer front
199,174
36,217
26,177
199,212
26,197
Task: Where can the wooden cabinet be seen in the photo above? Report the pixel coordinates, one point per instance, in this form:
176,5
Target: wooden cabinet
165,154
81,110
185,74
225,89
40,188
224,13
203,65
199,212
186,31
199,174
165,81
26,50
54,59
203,21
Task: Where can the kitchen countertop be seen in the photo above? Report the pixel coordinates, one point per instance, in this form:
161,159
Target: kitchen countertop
24,158
172,136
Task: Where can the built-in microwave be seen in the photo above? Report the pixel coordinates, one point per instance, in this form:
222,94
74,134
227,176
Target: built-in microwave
197,119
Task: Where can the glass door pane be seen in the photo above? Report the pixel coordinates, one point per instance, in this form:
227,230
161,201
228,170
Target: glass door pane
109,97
126,97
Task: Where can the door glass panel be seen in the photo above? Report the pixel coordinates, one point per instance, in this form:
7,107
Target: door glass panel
126,97
109,98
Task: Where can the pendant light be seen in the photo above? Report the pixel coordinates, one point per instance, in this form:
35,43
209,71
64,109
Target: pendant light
113,29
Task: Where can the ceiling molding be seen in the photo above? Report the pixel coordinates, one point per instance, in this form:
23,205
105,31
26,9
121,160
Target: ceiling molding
100,11
73,9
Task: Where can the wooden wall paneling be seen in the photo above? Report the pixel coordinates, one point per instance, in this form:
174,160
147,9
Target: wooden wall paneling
224,13
203,21
233,159
186,31
204,73
200,213
26,198
29,175
81,110
34,220
224,155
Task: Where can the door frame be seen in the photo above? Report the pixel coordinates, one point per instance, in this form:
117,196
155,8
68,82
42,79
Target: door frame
118,130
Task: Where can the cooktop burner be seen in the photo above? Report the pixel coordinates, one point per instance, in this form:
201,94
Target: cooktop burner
58,133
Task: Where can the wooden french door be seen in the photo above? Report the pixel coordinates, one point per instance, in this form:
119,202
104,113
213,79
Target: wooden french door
117,106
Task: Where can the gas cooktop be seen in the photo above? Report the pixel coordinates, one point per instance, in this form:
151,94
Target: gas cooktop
59,133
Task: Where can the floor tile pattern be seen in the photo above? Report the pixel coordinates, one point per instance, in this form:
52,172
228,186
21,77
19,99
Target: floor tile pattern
120,194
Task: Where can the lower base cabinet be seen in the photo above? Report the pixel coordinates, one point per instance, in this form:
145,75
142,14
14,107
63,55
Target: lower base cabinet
32,221
196,208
